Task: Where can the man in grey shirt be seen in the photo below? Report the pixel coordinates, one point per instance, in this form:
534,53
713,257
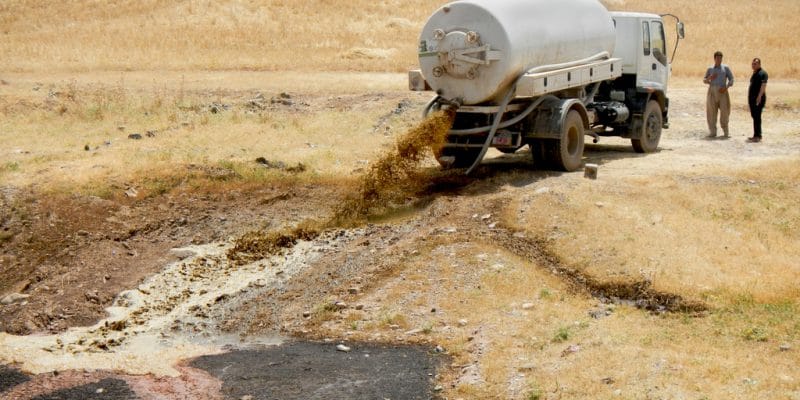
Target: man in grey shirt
718,78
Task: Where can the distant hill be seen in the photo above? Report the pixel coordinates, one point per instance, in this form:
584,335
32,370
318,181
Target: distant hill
332,35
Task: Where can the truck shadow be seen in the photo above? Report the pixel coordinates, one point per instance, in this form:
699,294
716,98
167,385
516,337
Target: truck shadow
516,169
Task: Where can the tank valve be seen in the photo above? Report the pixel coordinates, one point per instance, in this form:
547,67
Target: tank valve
438,34
438,71
472,37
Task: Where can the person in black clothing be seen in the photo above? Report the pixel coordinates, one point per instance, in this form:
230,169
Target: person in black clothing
757,97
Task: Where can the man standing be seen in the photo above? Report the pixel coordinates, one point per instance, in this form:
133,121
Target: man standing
718,78
757,98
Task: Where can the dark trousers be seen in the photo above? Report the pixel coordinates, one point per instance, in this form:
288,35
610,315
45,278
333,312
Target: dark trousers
755,112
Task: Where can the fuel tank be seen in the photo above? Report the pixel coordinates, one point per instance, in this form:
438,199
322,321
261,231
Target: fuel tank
473,50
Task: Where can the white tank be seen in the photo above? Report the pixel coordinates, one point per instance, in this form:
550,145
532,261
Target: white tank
473,50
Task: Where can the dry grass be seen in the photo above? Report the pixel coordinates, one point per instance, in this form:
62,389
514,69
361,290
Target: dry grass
303,35
70,134
715,238
742,30
513,330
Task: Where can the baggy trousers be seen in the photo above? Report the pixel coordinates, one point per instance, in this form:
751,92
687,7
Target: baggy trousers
717,102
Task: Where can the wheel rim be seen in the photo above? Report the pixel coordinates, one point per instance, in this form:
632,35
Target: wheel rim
572,140
653,129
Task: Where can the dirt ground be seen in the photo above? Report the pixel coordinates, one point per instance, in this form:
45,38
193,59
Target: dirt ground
160,263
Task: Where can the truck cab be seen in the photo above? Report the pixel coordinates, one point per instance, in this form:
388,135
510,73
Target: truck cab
642,46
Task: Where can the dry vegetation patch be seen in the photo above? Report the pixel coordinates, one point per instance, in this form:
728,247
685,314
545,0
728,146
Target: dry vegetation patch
704,236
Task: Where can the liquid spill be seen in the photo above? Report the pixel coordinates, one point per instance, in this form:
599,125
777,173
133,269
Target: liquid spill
164,320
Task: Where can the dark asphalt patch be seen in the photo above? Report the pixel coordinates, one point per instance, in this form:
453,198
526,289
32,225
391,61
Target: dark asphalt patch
9,377
306,370
106,389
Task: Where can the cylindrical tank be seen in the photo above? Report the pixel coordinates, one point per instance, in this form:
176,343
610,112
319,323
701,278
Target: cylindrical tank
473,50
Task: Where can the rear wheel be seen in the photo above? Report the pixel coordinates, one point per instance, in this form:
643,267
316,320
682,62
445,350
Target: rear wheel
508,150
538,153
652,122
566,153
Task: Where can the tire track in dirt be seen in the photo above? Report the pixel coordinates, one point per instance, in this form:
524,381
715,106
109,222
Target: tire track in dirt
638,293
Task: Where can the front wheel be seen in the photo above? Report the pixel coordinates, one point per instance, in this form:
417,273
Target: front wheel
652,122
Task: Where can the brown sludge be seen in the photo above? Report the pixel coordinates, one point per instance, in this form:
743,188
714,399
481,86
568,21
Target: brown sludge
392,177
388,180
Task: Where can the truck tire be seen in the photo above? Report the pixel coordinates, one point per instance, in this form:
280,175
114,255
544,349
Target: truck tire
566,153
538,153
461,157
652,121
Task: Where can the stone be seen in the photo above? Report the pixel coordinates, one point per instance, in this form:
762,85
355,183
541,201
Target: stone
527,306
13,298
542,190
462,322
590,171
571,349
343,348
135,136
93,297
182,254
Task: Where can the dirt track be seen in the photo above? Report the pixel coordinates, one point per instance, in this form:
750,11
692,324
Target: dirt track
78,254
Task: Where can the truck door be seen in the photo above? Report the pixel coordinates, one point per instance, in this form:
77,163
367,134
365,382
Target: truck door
654,68
660,65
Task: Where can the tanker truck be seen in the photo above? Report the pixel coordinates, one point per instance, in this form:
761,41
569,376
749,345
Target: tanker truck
544,73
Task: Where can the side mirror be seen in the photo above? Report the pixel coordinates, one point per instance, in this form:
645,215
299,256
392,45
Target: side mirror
681,32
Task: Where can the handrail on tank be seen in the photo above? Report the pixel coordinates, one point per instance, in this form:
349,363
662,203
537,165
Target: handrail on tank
550,67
